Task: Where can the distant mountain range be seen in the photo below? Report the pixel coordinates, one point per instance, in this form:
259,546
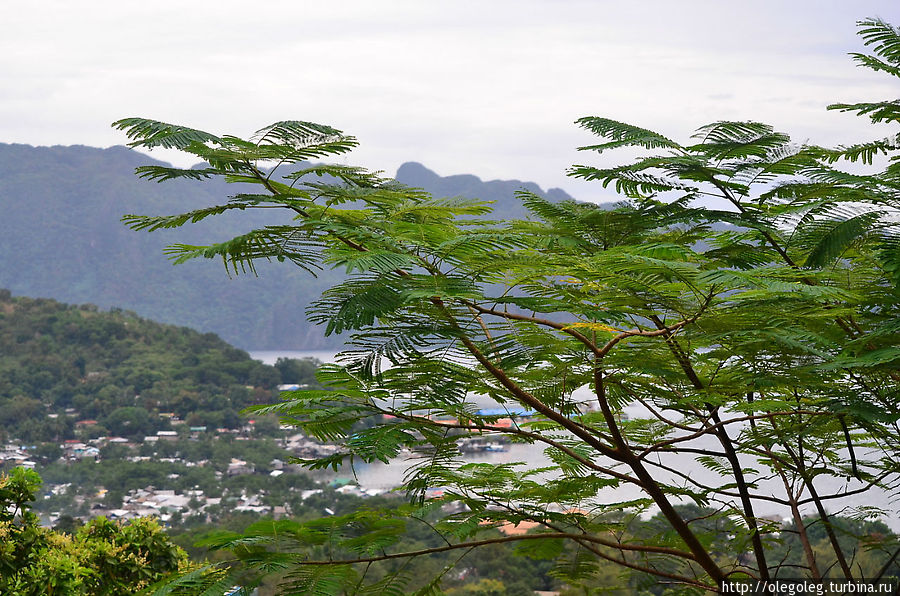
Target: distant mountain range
62,238
507,206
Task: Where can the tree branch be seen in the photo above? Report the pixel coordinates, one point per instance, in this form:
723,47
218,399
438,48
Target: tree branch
501,540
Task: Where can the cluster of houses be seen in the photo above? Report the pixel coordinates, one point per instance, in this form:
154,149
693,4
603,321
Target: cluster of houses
14,456
304,447
164,504
78,449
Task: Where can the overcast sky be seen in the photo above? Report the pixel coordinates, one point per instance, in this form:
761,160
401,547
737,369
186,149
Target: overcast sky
488,88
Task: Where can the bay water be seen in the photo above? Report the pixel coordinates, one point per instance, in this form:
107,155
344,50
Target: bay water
384,477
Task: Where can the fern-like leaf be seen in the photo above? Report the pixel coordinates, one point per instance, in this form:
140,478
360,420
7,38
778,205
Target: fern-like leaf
622,135
149,133
839,237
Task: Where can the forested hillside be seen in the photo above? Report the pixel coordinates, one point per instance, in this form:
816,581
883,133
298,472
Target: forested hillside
63,239
64,367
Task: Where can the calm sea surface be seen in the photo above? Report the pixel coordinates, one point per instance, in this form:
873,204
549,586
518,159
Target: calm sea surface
388,476
270,356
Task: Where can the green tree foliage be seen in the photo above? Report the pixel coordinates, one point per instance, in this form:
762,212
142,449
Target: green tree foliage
101,557
758,338
298,371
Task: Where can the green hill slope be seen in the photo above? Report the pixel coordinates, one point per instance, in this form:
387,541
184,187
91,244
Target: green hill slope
60,364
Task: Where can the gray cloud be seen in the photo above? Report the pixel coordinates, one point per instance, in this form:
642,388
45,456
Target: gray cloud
487,88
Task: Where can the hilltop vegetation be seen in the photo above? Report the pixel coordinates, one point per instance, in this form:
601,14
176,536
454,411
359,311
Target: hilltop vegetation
114,373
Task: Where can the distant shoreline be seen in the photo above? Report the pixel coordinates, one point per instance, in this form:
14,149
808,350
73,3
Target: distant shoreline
270,356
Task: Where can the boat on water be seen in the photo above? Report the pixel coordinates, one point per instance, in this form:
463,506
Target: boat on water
495,447
480,445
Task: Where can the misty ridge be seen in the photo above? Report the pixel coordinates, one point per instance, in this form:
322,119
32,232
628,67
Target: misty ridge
61,208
